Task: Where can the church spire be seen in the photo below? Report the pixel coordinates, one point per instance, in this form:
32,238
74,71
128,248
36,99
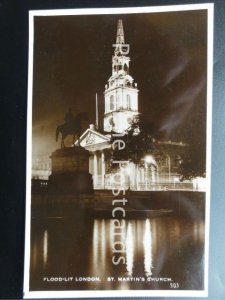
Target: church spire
120,33
121,93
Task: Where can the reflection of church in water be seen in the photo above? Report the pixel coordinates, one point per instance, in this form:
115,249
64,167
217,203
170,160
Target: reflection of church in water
121,107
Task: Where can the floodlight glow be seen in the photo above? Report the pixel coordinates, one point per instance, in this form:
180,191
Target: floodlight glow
149,159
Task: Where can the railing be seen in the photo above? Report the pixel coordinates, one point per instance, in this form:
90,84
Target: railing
40,174
162,184
165,186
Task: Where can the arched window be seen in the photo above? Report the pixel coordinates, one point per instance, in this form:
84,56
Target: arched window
111,103
128,102
125,68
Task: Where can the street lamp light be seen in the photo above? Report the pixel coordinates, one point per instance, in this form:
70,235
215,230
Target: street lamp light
149,159
150,164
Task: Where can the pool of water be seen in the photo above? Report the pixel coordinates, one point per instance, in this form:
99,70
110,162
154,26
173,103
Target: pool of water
82,252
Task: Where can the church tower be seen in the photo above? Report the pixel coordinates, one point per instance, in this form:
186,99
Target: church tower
121,93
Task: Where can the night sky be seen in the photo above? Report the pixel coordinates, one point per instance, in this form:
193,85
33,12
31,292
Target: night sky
72,62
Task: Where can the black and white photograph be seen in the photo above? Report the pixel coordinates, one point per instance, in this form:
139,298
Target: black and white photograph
119,152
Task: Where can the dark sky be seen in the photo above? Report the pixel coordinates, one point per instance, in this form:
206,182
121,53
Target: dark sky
72,61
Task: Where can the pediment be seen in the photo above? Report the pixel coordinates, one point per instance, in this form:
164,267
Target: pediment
91,137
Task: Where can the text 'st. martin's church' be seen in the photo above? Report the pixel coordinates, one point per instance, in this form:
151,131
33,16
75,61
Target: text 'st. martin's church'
121,107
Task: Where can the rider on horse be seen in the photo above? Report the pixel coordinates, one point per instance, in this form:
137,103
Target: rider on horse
69,118
72,126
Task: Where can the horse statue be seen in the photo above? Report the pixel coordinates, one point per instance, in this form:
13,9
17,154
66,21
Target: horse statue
71,128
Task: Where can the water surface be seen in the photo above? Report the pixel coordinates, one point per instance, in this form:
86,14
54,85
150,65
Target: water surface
66,251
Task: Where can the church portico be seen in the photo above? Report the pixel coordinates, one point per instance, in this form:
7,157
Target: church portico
97,144
97,168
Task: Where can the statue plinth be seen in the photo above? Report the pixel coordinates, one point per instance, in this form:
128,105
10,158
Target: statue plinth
70,171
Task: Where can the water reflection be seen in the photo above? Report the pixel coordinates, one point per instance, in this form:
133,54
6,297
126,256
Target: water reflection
95,244
157,247
198,231
103,243
45,248
129,249
100,240
147,241
137,244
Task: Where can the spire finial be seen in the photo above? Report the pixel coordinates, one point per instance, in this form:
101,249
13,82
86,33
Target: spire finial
120,33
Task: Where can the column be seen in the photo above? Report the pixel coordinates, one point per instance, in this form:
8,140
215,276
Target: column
153,171
142,179
146,176
95,169
169,166
138,178
103,168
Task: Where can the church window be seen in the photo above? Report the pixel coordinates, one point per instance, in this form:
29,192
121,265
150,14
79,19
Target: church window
111,104
128,102
164,162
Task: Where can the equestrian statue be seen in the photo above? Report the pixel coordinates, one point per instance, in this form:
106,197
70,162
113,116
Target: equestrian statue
72,126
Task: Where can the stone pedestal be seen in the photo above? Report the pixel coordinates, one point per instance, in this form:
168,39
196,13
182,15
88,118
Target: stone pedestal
70,171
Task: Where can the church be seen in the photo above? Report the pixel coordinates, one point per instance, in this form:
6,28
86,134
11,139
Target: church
121,108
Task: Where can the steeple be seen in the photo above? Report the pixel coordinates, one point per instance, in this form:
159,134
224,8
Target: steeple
120,60
120,33
121,93
120,46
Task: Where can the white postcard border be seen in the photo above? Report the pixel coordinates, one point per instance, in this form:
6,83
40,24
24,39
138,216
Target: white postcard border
101,11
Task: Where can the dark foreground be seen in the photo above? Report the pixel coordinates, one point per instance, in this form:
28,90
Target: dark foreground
162,251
